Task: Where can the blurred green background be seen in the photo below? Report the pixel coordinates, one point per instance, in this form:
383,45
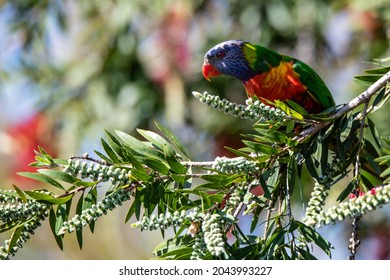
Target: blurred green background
70,69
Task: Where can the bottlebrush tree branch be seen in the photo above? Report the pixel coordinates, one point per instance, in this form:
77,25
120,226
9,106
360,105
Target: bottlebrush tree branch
364,97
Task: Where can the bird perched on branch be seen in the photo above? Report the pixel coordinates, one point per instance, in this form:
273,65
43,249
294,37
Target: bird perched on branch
271,76
268,75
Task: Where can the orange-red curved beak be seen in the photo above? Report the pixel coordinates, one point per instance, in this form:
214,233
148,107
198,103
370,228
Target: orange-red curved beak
209,71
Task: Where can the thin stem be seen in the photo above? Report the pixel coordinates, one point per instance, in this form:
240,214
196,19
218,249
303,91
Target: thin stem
360,138
354,242
72,192
267,221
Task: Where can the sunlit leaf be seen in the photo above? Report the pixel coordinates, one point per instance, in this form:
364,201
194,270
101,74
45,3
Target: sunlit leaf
158,166
169,134
40,196
42,178
15,237
58,175
311,235
56,219
21,194
261,147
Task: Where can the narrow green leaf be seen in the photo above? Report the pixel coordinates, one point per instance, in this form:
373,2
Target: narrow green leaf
288,110
8,226
345,193
383,160
275,136
261,147
386,139
90,199
43,152
116,146
59,175
379,102
136,146
273,242
48,198
15,237
20,193
291,173
42,178
135,208
374,132
311,167
113,157
216,178
129,140
240,153
169,135
369,179
180,178
255,218
79,235
311,235
272,179
155,139
85,184
44,157
130,212
157,165
104,157
172,161
381,70
306,255
368,78
324,156
140,175
385,173
207,187
54,219
174,247
79,209
346,128
300,110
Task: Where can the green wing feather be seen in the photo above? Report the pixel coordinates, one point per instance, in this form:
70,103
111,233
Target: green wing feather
315,85
262,59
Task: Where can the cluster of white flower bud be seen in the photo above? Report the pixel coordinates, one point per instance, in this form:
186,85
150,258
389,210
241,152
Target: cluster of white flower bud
212,228
162,221
199,249
98,172
29,228
355,207
9,196
207,229
90,214
317,200
235,165
21,211
235,198
254,109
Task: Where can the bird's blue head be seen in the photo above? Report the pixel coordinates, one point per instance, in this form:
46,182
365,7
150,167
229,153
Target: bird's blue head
227,58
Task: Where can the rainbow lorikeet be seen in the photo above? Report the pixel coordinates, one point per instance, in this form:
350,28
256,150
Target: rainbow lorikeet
268,75
272,76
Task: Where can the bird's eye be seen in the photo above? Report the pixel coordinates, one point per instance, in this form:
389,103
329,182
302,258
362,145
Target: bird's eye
220,55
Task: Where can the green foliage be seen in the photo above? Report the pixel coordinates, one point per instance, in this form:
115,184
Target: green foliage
204,202
385,160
